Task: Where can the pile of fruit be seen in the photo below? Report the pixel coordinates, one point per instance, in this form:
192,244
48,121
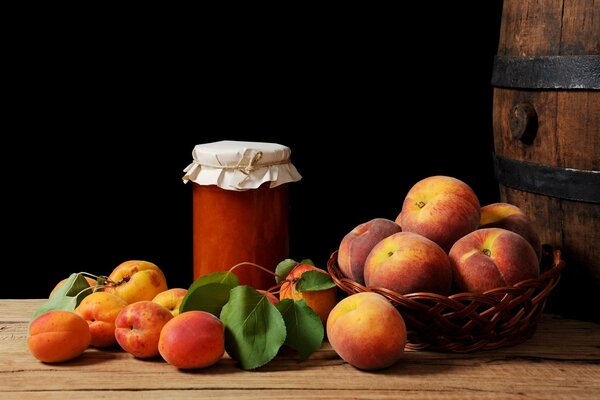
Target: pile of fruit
189,328
441,242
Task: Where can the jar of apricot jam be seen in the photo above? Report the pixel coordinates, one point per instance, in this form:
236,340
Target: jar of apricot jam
240,208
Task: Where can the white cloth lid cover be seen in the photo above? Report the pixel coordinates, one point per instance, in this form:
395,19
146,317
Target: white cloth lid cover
235,165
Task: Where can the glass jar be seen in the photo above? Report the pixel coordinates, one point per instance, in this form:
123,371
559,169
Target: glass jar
240,208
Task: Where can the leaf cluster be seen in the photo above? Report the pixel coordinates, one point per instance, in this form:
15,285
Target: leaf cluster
255,329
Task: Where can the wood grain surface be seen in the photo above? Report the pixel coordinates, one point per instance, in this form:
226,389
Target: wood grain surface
561,361
568,136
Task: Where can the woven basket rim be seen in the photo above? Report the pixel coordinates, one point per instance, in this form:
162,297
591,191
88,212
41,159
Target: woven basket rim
466,321
548,273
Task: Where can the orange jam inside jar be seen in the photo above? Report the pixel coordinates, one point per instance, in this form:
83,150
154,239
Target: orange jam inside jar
241,208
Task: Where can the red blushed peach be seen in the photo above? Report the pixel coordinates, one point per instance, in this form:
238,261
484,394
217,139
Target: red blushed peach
58,336
406,263
441,208
490,258
171,298
136,281
193,339
357,244
367,331
100,310
138,327
508,216
321,301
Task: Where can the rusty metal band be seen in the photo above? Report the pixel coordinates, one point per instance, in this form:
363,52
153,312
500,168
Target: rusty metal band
567,72
563,183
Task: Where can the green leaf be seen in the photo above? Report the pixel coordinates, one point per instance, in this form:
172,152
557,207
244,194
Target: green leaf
67,297
254,328
307,261
227,278
312,281
283,269
304,327
211,298
209,293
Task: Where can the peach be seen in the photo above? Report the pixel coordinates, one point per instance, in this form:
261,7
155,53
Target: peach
367,331
492,257
90,281
441,208
407,262
270,296
321,301
193,339
171,298
100,310
511,217
138,327
357,244
58,336
137,280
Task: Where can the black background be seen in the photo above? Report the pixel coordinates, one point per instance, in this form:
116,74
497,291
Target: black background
369,102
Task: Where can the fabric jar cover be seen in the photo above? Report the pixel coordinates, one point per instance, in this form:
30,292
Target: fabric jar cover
235,165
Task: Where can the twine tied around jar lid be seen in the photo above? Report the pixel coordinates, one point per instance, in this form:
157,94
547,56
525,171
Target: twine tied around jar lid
239,165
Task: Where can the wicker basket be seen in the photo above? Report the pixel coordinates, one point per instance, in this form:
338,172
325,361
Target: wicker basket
467,322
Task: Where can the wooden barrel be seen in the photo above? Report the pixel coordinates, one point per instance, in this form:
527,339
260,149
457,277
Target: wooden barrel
546,120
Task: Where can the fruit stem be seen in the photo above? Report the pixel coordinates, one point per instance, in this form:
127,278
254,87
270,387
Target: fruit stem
90,275
110,282
94,288
257,266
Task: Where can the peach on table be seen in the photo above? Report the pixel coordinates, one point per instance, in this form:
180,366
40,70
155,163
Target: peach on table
367,331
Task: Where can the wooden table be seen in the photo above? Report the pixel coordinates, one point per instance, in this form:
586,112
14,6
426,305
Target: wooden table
562,360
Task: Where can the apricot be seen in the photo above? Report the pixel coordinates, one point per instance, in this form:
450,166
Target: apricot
138,326
321,301
171,298
193,339
100,310
367,331
137,280
58,336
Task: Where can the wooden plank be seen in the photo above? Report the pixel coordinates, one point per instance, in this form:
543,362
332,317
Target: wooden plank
281,394
562,360
580,27
530,27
